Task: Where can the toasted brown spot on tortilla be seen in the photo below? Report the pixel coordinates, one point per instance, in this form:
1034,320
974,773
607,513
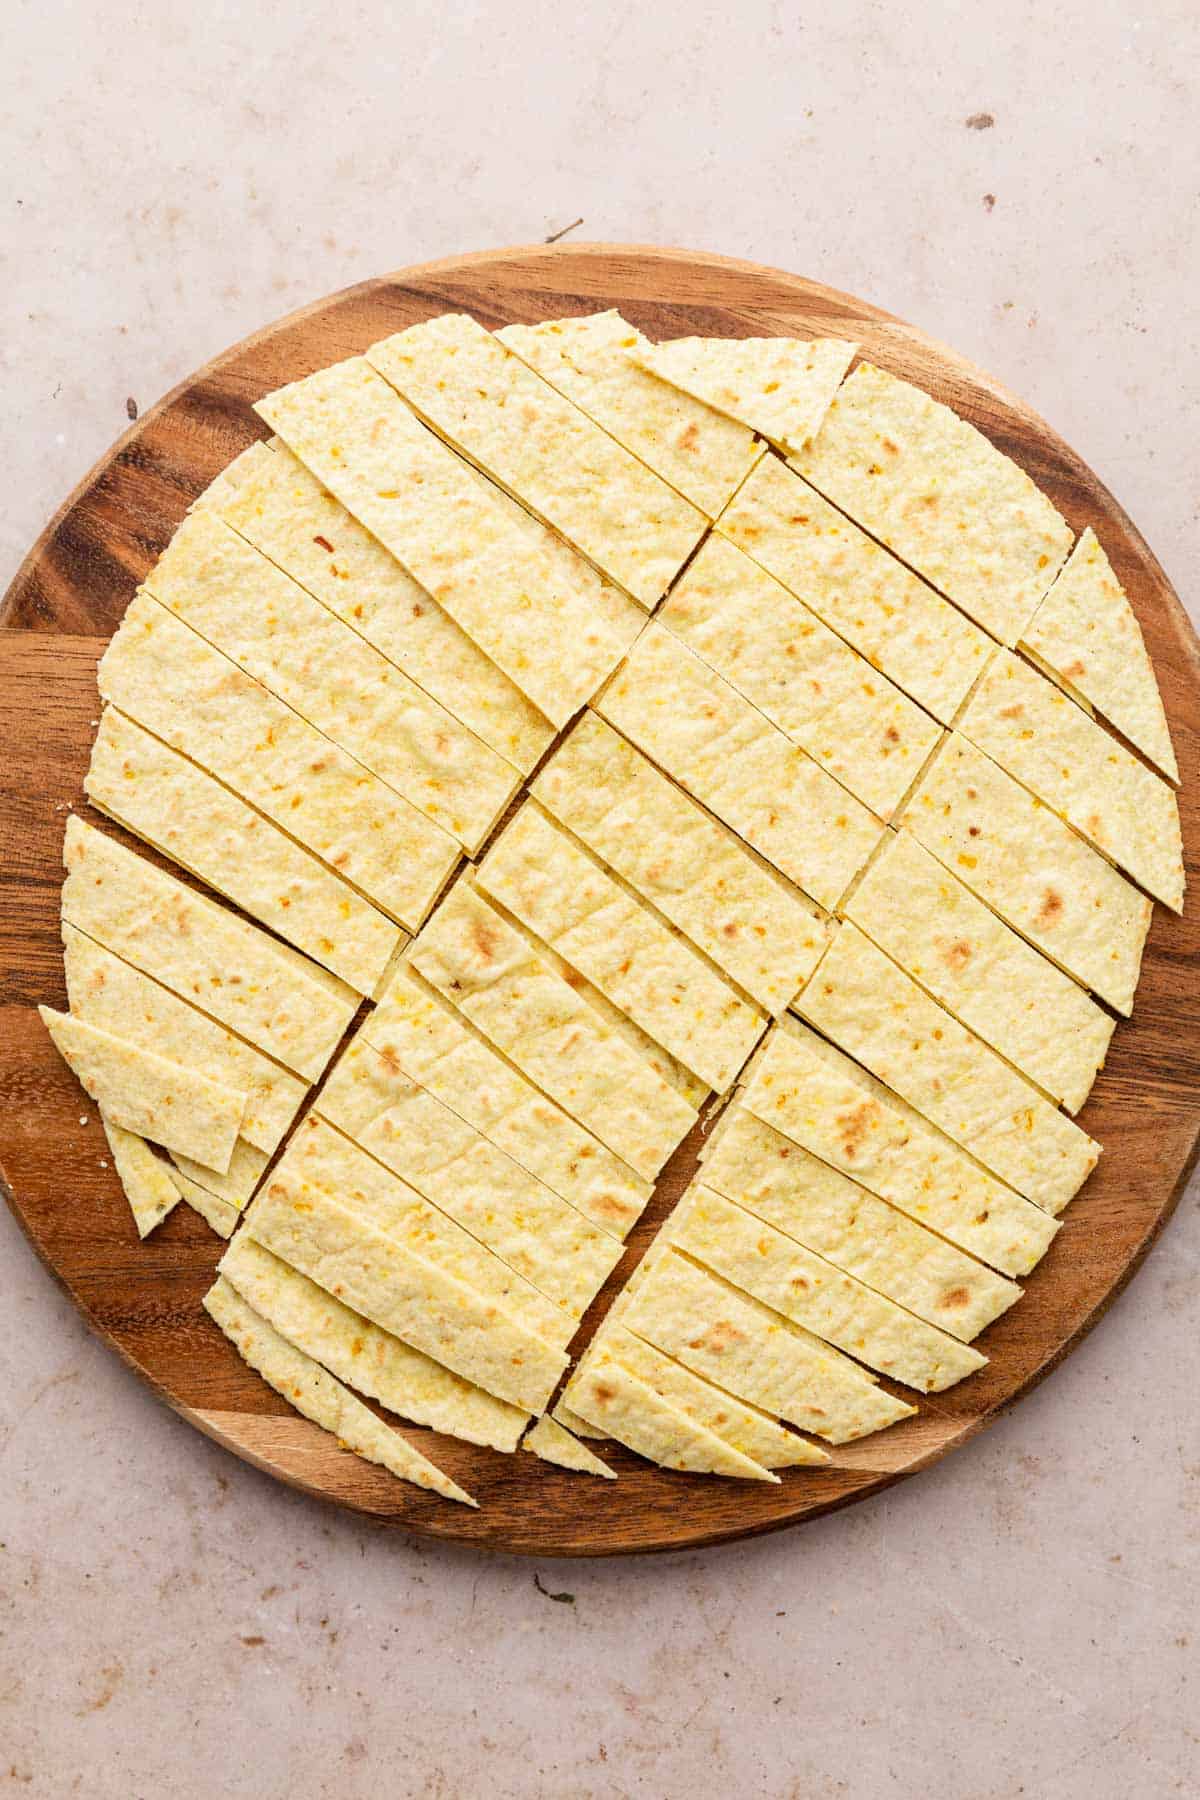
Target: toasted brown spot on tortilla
1051,908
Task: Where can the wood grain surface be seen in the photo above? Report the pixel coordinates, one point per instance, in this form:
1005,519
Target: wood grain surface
145,1299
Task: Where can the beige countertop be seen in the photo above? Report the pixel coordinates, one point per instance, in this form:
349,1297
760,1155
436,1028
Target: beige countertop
1020,182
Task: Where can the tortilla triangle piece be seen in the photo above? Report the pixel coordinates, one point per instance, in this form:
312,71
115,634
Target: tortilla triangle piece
319,1396
571,1421
372,1361
555,1444
225,484
939,495
780,387
1070,763
239,1181
217,1213
591,360
1087,635
147,1094
546,452
149,1186
626,1409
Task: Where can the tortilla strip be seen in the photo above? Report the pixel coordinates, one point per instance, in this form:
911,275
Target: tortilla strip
418,1034
555,1444
1086,634
865,1003
935,491
319,1396
543,450
146,1179
777,653
218,1214
265,991
278,633
1038,735
608,1396
812,1292
780,387
147,1094
224,485
824,1210
489,972
285,512
454,1166
162,674
358,438
739,765
239,1181
926,920
404,1380
417,1300
894,619
553,886
703,455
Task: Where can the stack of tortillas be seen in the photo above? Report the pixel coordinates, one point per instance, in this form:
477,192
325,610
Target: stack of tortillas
561,740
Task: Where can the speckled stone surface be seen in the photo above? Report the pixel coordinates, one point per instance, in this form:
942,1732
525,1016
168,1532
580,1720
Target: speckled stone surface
1017,180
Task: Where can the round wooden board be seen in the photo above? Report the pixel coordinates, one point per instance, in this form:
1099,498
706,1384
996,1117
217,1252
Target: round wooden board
145,1299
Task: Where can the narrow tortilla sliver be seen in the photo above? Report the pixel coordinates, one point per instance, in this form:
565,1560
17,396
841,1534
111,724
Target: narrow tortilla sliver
360,440
544,450
145,1177
555,1444
746,918
1086,634
824,695
780,387
159,795
893,618
609,1397
940,495
237,1184
490,973
278,633
416,1032
366,1358
879,1016
701,453
319,1396
926,920
781,1273
556,888
743,768
1038,735
263,990
223,1218
419,1138
826,1211
225,484
283,510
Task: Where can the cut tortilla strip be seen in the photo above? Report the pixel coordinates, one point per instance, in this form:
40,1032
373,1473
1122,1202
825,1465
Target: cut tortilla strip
863,1001
555,1444
163,675
372,1361
358,438
321,1398
805,1288
894,619
543,450
1086,634
223,486
223,1218
405,1293
239,1181
823,1209
570,901
147,1094
159,795
926,920
617,1403
935,491
749,1350
275,630
747,919
1039,736
780,387
419,1138
1031,869
572,1422
701,453
149,1187
490,973
285,512
743,768
779,655
419,1034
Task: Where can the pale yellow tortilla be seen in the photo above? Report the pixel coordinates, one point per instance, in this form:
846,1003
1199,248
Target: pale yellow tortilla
224,485
218,1214
616,1402
555,1444
780,387
146,1179
240,1179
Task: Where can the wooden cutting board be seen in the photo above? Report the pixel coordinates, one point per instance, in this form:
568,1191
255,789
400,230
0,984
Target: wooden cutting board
145,1299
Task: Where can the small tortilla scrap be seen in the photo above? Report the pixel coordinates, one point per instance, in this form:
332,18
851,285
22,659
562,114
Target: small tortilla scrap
225,484
319,1397
780,387
555,1444
223,1218
146,1179
239,1181
617,1403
